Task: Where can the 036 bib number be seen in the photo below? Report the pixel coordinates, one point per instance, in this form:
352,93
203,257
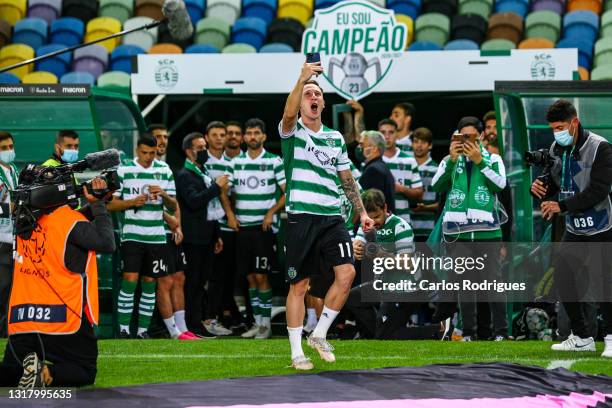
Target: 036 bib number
583,222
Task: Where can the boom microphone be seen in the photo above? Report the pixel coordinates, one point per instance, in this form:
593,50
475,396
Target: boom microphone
179,23
102,160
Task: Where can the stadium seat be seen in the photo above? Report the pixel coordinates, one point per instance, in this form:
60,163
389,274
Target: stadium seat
8,78
543,24
508,26
121,57
264,9
469,27
6,33
84,10
275,48
149,8
556,6
585,50
202,49
12,10
165,48
581,24
239,49
48,10
195,9
145,38
433,27
68,31
30,31
584,74
593,5
606,24
92,59
401,18
322,4
424,46
497,44
164,36
446,7
607,5
78,78
462,45
603,52
481,7
213,31
519,7
14,54
287,31
300,10
410,8
102,27
114,79
249,30
39,77
602,73
58,65
536,43
118,9
227,10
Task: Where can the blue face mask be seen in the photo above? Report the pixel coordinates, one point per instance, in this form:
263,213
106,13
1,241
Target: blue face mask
70,156
564,137
7,156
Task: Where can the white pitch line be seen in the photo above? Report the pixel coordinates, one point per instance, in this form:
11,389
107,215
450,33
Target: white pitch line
567,364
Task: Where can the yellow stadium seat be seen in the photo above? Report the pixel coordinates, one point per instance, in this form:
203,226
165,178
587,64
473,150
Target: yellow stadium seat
300,10
402,18
165,48
102,27
12,10
15,53
40,77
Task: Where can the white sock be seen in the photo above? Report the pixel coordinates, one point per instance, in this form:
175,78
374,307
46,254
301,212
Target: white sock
171,326
325,321
141,330
608,337
257,320
123,327
312,317
265,321
179,320
295,340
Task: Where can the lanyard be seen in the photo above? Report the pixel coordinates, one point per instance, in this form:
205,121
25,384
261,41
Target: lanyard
563,183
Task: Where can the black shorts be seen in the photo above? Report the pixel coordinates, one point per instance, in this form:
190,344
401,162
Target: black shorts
147,259
254,250
177,262
315,244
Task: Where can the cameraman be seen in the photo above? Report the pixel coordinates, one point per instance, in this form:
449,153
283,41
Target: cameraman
54,298
581,173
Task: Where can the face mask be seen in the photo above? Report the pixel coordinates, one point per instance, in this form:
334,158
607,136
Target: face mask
7,156
202,157
564,137
359,154
70,156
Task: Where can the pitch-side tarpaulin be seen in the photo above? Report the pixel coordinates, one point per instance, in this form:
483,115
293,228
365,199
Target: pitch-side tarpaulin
486,385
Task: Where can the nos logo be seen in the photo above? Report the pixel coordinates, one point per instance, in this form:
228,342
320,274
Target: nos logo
251,182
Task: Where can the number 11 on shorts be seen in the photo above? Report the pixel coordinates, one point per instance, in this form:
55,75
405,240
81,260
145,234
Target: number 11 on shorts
348,249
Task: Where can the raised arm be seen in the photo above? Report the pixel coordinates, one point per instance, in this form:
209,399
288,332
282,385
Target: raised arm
292,106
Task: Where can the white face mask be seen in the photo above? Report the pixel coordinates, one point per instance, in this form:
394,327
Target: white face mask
564,137
7,156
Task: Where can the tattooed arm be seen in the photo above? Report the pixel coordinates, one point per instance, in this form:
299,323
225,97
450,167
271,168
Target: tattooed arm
352,194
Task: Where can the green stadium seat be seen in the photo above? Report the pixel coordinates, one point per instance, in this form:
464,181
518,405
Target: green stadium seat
213,31
118,9
114,79
12,10
433,27
543,24
239,48
606,24
15,53
508,26
40,77
481,7
603,51
608,5
602,73
227,10
497,44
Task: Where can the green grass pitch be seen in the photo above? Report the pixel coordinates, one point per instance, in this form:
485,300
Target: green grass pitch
129,362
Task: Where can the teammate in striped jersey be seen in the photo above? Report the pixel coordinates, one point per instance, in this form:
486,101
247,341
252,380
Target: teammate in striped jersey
314,157
147,186
423,212
258,179
408,185
403,114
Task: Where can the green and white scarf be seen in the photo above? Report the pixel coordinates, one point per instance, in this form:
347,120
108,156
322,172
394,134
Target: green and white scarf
189,165
476,204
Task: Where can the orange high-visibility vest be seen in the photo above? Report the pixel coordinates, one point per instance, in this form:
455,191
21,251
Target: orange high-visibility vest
46,297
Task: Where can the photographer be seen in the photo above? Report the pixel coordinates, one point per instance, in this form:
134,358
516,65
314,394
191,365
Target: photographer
580,173
54,298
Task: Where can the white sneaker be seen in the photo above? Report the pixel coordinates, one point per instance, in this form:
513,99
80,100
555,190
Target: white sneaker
217,328
575,343
466,338
264,333
323,347
302,363
252,332
607,346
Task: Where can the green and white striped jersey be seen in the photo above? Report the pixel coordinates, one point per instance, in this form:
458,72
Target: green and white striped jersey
423,222
256,185
405,144
405,172
144,224
216,168
395,231
312,161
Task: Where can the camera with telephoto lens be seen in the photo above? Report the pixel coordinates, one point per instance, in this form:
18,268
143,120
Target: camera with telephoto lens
540,158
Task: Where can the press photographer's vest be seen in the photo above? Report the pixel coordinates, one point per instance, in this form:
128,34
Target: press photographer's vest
46,297
577,178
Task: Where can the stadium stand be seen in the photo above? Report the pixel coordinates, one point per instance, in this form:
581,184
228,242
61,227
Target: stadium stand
114,79
507,26
48,10
165,48
118,9
239,49
84,10
195,8
121,57
433,27
497,44
213,31
149,8
469,27
78,78
31,31
92,59
287,31
68,31
275,48
58,65
14,54
227,10
543,24
424,46
263,9
5,33
409,25
8,78
461,45
101,27
301,10
202,49
143,39
12,10
249,30
536,43
40,77
481,7
446,7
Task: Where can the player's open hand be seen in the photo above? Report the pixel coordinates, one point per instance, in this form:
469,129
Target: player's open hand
366,222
